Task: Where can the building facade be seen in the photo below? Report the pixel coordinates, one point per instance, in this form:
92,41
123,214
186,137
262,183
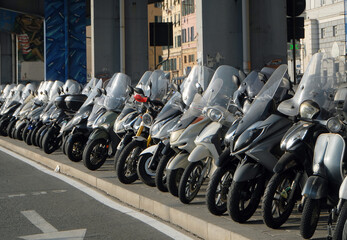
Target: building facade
172,13
189,39
325,29
154,15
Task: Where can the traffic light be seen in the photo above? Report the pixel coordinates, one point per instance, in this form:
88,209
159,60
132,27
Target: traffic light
295,24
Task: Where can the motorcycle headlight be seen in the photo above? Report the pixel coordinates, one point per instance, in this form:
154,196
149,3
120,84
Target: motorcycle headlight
147,119
247,138
334,125
215,115
309,109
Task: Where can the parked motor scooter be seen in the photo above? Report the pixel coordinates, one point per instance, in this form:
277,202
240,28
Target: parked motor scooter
126,166
219,183
311,105
102,141
321,190
256,143
224,83
165,121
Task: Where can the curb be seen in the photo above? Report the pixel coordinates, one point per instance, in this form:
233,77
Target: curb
192,224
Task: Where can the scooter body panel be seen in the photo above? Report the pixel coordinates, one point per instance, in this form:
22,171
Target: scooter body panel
179,161
316,187
343,189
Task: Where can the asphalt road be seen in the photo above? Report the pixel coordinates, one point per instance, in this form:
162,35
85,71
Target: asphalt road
35,205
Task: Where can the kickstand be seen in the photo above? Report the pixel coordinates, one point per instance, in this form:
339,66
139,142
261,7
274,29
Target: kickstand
330,223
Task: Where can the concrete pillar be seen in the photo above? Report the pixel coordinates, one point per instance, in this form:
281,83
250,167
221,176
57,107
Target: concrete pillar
106,37
219,26
5,58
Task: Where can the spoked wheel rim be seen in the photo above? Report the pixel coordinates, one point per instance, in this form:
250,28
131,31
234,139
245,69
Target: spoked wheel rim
193,181
148,170
98,153
131,162
282,197
77,149
221,195
246,194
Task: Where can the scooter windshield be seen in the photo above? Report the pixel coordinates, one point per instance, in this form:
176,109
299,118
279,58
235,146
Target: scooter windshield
199,74
93,93
89,86
54,89
157,85
144,80
28,90
71,87
221,88
118,93
318,84
7,91
258,108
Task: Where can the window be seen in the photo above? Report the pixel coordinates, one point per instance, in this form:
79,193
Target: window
322,33
157,18
185,59
187,7
191,58
184,33
192,34
179,41
188,36
157,4
335,30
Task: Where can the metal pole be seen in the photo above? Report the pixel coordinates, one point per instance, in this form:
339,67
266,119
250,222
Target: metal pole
294,57
122,35
245,37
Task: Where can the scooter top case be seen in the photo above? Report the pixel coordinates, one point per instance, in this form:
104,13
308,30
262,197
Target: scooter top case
74,102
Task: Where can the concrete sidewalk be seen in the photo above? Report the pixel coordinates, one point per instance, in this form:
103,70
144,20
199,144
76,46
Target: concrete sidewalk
194,218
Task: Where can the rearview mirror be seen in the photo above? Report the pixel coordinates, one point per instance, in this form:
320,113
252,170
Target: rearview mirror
139,91
236,80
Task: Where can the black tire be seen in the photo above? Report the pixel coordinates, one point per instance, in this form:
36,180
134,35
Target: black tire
279,199
38,135
310,217
190,182
146,174
160,175
3,127
28,137
42,134
25,133
50,141
18,134
341,223
218,188
10,127
116,157
33,135
126,168
241,193
95,154
173,180
74,147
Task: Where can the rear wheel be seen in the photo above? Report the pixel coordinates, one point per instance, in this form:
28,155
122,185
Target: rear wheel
42,134
74,146
3,127
244,198
25,133
10,127
34,133
173,180
218,188
28,137
95,154
127,162
310,216
279,198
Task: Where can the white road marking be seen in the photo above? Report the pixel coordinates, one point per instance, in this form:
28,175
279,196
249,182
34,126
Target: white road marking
38,193
38,221
161,227
50,232
17,195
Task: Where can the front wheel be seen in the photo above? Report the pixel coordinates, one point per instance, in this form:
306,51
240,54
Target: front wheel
341,224
190,182
18,134
161,175
95,154
279,198
310,216
145,173
25,134
244,198
126,164
3,127
74,146
51,141
10,128
218,188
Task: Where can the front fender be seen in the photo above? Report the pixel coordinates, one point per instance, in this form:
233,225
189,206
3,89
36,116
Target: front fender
179,161
99,134
199,152
150,150
316,187
139,138
285,162
247,171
